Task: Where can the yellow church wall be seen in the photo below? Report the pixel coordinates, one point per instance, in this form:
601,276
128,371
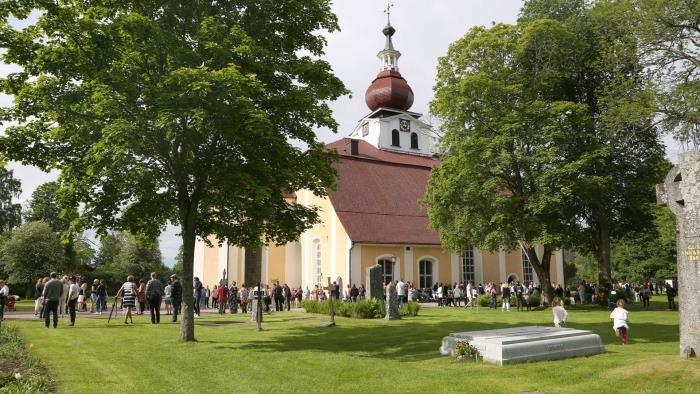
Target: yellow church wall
211,263
444,263
371,253
320,231
275,263
490,266
514,264
341,249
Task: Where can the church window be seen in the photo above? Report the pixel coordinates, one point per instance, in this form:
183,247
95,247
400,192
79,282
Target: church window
395,140
468,265
414,141
527,268
316,250
387,270
425,274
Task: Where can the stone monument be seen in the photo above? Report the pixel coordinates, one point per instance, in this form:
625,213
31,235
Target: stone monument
681,193
375,284
525,344
392,303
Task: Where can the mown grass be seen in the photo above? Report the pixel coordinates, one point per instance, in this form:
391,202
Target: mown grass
294,355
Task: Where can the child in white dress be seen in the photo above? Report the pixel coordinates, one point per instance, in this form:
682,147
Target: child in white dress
560,314
620,321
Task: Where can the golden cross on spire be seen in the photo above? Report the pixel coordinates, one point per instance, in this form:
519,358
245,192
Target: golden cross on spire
387,8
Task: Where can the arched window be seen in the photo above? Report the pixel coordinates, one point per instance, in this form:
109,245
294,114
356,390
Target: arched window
527,268
468,265
395,140
387,270
316,258
414,141
425,274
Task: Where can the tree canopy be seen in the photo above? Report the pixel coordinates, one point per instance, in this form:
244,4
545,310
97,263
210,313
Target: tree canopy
197,113
10,211
549,134
32,251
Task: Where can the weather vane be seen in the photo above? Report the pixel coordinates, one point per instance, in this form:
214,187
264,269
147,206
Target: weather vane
387,8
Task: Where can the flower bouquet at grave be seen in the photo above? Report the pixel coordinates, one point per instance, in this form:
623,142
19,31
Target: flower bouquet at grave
464,350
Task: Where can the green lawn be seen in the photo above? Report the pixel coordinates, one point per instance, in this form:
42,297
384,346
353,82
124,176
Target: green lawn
294,355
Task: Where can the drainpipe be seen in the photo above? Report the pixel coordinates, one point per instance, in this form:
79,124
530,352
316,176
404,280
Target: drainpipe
352,245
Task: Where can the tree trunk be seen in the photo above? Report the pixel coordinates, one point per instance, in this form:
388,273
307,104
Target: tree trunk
541,267
603,257
187,220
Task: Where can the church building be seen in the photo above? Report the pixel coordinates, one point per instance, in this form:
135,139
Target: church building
374,216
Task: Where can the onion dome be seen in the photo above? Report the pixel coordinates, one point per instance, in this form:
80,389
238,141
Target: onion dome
389,89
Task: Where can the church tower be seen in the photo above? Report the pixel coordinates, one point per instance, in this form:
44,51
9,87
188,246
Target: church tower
391,126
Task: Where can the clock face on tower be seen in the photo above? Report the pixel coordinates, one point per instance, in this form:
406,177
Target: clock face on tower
405,125
365,129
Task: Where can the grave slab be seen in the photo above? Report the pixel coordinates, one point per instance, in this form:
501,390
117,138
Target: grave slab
525,344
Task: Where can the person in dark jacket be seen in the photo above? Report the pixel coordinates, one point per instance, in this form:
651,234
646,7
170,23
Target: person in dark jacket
176,296
279,297
354,293
53,294
287,297
671,294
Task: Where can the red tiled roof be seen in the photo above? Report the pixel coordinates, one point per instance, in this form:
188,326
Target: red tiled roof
377,195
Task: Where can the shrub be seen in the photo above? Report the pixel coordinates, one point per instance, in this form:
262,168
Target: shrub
364,309
484,300
534,299
567,301
409,309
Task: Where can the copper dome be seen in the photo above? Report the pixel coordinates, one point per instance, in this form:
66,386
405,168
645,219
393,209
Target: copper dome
389,90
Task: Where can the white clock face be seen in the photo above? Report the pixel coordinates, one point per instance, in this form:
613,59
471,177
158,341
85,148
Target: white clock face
405,125
365,129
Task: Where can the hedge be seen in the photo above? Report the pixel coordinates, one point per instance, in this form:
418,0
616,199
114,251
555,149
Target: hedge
363,309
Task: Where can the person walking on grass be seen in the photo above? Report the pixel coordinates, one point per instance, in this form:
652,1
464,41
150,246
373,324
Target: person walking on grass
154,290
101,296
53,294
620,318
560,314
670,295
176,295
128,293
519,291
222,298
73,294
4,295
38,289
141,294
168,291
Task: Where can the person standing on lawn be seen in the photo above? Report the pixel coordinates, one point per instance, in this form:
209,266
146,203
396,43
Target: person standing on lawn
620,318
197,295
73,294
175,295
128,292
141,293
4,295
38,289
168,297
560,314
154,290
671,294
101,296
222,298
53,295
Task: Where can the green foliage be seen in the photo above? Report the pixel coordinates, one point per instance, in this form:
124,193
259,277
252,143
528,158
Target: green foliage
33,251
157,112
43,206
409,309
10,212
33,376
484,300
670,32
137,256
363,309
534,299
464,349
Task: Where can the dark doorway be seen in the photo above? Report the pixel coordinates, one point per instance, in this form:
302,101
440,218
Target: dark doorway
253,267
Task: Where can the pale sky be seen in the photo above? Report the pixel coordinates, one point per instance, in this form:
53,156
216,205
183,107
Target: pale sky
424,30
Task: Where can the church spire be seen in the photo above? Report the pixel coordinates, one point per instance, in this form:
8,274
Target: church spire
389,56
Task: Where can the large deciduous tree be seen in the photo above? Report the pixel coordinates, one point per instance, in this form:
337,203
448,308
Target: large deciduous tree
10,211
670,34
191,112
32,251
549,134
505,168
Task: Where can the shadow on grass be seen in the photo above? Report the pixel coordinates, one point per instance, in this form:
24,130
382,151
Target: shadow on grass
418,340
